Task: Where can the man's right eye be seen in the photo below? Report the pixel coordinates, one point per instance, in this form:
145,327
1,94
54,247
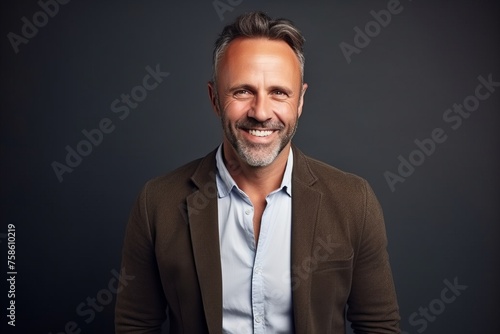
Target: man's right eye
242,93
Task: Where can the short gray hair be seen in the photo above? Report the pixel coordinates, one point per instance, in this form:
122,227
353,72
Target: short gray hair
258,24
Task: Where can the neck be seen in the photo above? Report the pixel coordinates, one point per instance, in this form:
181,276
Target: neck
250,179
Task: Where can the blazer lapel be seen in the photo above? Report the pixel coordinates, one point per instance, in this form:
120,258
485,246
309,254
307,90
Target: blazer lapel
305,206
203,224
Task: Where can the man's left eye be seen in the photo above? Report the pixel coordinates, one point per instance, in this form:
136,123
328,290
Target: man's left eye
280,93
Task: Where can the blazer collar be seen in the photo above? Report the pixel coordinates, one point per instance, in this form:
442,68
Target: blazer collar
203,224
305,206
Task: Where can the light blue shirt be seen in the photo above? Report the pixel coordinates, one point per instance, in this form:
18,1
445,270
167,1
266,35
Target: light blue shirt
256,286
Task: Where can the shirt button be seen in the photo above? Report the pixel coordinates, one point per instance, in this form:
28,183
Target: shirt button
258,270
258,319
248,211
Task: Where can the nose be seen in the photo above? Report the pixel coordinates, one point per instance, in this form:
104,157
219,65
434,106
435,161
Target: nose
260,109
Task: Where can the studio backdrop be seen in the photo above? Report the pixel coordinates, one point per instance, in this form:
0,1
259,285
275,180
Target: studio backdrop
97,97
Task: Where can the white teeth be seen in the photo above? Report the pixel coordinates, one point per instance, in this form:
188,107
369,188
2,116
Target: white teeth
259,133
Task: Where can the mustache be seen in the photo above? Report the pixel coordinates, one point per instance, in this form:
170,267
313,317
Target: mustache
251,123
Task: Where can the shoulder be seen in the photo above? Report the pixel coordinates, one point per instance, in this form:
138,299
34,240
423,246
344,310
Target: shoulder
346,198
177,177
326,177
179,183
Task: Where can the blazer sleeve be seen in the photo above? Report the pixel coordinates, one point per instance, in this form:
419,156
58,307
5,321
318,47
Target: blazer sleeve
372,303
140,305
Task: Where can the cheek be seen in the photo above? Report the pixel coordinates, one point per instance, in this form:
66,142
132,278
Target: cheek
235,109
286,111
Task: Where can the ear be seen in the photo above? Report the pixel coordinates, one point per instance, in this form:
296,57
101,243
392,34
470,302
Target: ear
301,98
212,95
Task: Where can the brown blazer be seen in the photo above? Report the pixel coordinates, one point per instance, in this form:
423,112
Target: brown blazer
339,258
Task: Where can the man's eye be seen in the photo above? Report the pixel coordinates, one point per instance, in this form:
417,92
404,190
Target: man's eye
280,93
241,92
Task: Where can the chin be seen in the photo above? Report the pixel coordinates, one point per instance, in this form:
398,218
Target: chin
259,159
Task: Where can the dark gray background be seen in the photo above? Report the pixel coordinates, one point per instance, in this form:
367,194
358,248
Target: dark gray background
442,222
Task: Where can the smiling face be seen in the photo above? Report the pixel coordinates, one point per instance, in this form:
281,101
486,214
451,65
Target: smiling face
260,98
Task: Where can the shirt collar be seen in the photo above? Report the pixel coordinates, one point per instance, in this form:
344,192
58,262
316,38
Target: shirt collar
225,182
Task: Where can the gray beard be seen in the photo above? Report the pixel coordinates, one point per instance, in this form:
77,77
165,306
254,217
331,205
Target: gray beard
247,153
257,155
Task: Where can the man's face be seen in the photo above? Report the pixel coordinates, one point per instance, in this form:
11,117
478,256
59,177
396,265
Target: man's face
260,98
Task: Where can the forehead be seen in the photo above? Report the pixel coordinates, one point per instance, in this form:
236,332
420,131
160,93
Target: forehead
245,53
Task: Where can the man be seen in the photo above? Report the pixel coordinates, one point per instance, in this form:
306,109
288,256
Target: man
256,237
